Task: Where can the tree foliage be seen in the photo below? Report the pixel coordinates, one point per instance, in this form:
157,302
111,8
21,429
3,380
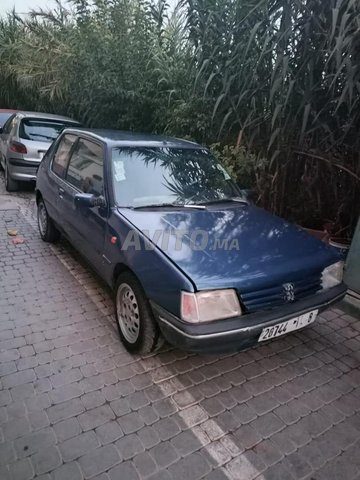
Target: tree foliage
274,83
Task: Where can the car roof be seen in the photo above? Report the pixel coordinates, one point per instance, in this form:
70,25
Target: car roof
45,116
7,110
125,138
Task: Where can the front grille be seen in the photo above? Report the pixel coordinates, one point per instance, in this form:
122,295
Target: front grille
275,296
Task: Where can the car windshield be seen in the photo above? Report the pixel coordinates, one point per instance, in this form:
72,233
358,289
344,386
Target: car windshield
146,176
41,130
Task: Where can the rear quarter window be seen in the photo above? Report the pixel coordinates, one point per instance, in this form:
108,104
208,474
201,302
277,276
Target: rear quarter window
9,125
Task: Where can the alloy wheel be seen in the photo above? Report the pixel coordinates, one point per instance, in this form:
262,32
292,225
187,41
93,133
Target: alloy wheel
128,312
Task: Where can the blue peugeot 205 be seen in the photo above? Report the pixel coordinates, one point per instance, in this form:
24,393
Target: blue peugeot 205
188,257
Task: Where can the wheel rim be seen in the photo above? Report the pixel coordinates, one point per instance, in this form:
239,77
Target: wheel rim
128,312
42,218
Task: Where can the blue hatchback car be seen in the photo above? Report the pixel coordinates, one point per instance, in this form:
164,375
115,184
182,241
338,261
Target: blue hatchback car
188,257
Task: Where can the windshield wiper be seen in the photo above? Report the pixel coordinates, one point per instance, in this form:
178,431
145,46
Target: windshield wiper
227,200
170,205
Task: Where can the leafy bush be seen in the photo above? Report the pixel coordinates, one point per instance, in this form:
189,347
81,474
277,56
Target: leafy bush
244,167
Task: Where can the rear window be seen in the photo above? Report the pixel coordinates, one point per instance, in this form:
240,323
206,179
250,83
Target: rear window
42,130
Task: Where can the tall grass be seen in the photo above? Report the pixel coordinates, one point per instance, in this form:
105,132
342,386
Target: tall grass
275,81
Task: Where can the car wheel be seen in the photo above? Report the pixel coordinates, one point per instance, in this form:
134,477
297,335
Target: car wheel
137,327
11,185
47,229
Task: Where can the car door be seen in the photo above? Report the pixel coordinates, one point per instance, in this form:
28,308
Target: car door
53,189
86,226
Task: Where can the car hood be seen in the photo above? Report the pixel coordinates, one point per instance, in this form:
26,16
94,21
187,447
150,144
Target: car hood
245,247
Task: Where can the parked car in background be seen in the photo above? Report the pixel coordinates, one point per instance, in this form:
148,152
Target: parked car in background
186,255
5,114
24,139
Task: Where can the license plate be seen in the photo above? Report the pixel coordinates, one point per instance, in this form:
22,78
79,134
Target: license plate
289,326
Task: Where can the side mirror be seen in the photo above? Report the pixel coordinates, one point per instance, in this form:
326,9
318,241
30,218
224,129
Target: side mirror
1,130
89,200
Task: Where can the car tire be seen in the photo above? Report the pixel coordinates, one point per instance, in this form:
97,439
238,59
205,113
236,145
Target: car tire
48,231
137,327
11,185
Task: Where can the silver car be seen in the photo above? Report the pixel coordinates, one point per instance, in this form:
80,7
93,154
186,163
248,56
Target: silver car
24,139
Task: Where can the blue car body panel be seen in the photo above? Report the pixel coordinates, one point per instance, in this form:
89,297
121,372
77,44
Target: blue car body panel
159,276
262,249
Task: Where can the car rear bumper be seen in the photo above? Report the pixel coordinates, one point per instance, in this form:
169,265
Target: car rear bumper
237,333
23,169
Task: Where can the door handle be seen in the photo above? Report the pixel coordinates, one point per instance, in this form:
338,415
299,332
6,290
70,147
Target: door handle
61,192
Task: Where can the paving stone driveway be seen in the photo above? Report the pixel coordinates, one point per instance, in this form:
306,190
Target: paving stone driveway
74,404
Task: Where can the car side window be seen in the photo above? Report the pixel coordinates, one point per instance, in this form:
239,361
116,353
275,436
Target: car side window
62,155
9,125
86,166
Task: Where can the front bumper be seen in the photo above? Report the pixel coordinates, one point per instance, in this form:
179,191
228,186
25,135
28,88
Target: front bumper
237,333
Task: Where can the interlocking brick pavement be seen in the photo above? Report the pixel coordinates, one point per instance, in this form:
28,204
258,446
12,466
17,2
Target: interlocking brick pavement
75,405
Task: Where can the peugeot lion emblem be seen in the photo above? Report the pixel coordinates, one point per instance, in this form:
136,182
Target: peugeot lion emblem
289,292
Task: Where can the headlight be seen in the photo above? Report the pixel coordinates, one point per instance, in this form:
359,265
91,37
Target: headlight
210,305
332,275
